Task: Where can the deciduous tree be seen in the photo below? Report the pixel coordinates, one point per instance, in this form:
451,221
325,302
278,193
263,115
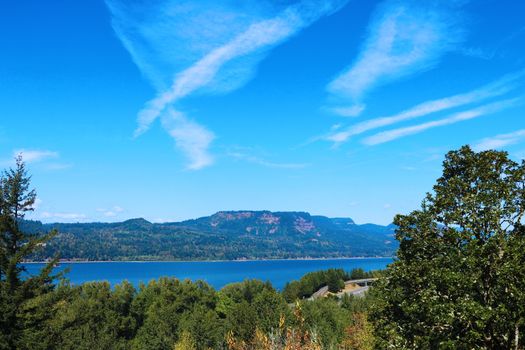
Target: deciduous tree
458,281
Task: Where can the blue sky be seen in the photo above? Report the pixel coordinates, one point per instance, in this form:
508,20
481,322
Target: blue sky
172,110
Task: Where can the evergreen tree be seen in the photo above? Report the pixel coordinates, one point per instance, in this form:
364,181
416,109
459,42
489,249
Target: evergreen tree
334,282
16,199
459,280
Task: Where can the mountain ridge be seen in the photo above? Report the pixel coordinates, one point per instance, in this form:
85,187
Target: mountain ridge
225,235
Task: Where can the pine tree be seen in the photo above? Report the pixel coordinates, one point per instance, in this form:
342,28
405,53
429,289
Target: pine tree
16,199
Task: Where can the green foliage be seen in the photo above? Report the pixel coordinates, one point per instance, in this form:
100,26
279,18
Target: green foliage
459,279
204,326
269,307
92,316
186,342
360,334
357,304
242,321
249,305
165,309
327,319
16,199
359,273
334,282
172,314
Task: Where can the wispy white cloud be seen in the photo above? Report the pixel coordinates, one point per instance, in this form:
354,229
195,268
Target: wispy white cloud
394,134
63,216
494,89
112,212
208,46
46,160
192,138
200,74
350,111
488,53
33,156
404,38
118,209
263,162
500,141
477,52
57,166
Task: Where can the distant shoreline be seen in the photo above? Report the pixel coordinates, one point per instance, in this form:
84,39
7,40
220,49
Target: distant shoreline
206,261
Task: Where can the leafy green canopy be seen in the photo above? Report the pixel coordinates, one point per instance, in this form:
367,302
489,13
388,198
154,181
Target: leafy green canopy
459,280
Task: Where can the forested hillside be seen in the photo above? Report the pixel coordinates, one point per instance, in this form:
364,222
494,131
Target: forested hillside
222,236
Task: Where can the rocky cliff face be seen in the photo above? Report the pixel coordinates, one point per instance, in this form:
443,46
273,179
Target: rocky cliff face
285,223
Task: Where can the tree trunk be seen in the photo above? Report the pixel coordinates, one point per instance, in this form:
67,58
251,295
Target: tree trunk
516,337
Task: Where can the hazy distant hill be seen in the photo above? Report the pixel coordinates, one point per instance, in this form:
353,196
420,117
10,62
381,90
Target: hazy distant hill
224,235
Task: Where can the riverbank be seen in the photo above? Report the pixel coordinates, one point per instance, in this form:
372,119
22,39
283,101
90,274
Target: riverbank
208,261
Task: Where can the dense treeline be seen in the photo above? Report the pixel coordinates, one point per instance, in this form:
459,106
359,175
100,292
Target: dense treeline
167,312
334,279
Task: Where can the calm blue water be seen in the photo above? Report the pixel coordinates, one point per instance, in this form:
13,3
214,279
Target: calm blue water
217,274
